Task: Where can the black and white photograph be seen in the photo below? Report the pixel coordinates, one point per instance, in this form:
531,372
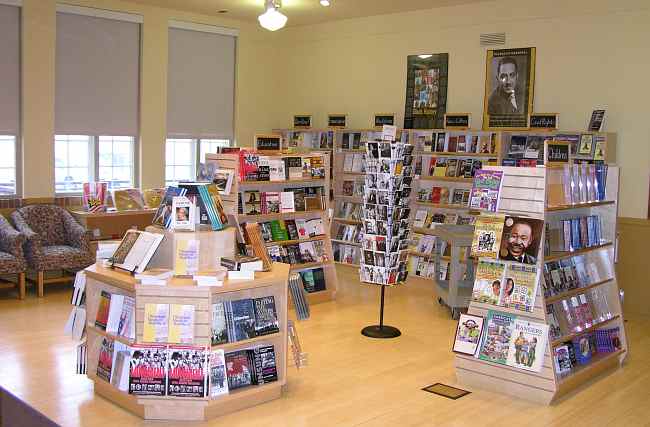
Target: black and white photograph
509,88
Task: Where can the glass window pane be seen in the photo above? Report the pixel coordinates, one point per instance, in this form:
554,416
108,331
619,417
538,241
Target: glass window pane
116,160
72,162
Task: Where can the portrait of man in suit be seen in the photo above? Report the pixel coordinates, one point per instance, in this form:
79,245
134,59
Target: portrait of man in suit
520,240
509,84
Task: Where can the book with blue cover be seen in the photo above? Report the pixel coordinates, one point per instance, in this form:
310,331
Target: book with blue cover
163,216
243,319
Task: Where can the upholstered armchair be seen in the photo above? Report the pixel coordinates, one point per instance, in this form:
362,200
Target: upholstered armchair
12,260
55,241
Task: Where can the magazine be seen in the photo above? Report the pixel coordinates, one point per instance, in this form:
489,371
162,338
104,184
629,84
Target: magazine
486,190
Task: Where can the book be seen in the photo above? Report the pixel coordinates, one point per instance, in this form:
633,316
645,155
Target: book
136,250
521,239
218,381
103,309
186,257
156,323
126,323
219,328
187,371
527,345
294,167
520,287
496,339
248,165
596,121
163,215
488,281
94,196
121,362
562,360
243,319
114,312
487,236
148,370
266,316
287,202
468,334
265,364
105,362
486,190
239,369
223,179
181,324
127,199
183,214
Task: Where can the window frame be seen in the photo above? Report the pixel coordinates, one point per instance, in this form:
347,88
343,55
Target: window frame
93,163
18,168
196,141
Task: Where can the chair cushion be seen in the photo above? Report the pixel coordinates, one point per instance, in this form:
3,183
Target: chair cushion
9,264
47,222
61,256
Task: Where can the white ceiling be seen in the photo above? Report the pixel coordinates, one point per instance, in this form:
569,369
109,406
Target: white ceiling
303,12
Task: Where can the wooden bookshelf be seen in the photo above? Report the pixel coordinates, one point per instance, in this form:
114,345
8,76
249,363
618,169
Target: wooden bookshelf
579,206
442,205
231,161
524,193
345,242
185,291
446,178
458,154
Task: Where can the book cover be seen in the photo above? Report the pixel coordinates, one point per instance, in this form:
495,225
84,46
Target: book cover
105,362
468,334
186,257
520,287
94,196
217,373
101,320
265,365
527,345
163,215
521,239
287,203
181,324
239,370
223,179
486,189
488,281
243,316
266,316
183,214
156,323
114,312
263,169
562,360
248,169
496,340
219,218
187,371
487,236
148,370
317,167
294,167
128,199
121,362
126,324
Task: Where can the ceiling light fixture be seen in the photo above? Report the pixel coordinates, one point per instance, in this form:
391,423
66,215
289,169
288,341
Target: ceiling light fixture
272,19
424,56
325,3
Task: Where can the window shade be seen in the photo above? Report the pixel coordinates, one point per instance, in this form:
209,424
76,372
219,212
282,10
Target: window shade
9,70
201,84
97,75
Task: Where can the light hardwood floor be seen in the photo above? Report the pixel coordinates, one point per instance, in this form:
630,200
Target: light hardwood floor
351,380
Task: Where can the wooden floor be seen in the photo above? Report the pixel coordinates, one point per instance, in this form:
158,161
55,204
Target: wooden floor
351,380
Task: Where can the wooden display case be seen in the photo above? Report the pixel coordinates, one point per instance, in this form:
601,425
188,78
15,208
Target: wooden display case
113,224
524,193
230,202
274,282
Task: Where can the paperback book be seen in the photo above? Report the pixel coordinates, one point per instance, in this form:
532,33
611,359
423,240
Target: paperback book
148,370
486,190
187,371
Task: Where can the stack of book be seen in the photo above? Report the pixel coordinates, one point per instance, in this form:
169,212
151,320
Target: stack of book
446,142
299,253
257,167
301,199
577,183
451,167
568,235
427,219
579,351
389,175
291,229
444,195
570,273
313,280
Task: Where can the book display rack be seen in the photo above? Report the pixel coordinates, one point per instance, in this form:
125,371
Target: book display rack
564,326
290,205
210,365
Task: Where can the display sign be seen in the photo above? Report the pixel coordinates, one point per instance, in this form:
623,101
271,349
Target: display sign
381,119
556,152
337,120
268,142
547,121
459,121
302,121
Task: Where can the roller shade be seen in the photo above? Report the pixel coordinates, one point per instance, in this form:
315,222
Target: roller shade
201,84
9,69
97,75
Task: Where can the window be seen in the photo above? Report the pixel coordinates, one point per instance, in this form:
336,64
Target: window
183,156
85,158
7,165
180,160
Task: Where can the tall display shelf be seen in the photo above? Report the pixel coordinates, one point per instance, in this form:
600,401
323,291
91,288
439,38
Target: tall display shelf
349,170
185,291
239,187
525,192
446,161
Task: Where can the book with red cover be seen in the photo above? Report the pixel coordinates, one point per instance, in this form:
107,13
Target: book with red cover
186,372
147,371
435,195
248,165
239,369
102,311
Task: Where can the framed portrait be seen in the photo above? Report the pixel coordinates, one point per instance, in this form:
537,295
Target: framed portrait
426,91
509,88
468,334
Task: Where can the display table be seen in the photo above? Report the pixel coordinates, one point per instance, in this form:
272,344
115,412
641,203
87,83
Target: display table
173,408
113,225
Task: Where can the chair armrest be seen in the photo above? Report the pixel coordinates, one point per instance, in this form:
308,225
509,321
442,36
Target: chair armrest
76,234
33,246
11,241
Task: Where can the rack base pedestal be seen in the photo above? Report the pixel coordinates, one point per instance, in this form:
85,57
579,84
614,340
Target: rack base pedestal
381,331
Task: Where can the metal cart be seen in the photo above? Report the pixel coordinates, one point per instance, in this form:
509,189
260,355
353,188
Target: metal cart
456,292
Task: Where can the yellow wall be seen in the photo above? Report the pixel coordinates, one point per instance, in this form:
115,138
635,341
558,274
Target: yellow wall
589,53
257,87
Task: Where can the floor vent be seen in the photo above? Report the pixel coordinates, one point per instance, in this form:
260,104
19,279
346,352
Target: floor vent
447,391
